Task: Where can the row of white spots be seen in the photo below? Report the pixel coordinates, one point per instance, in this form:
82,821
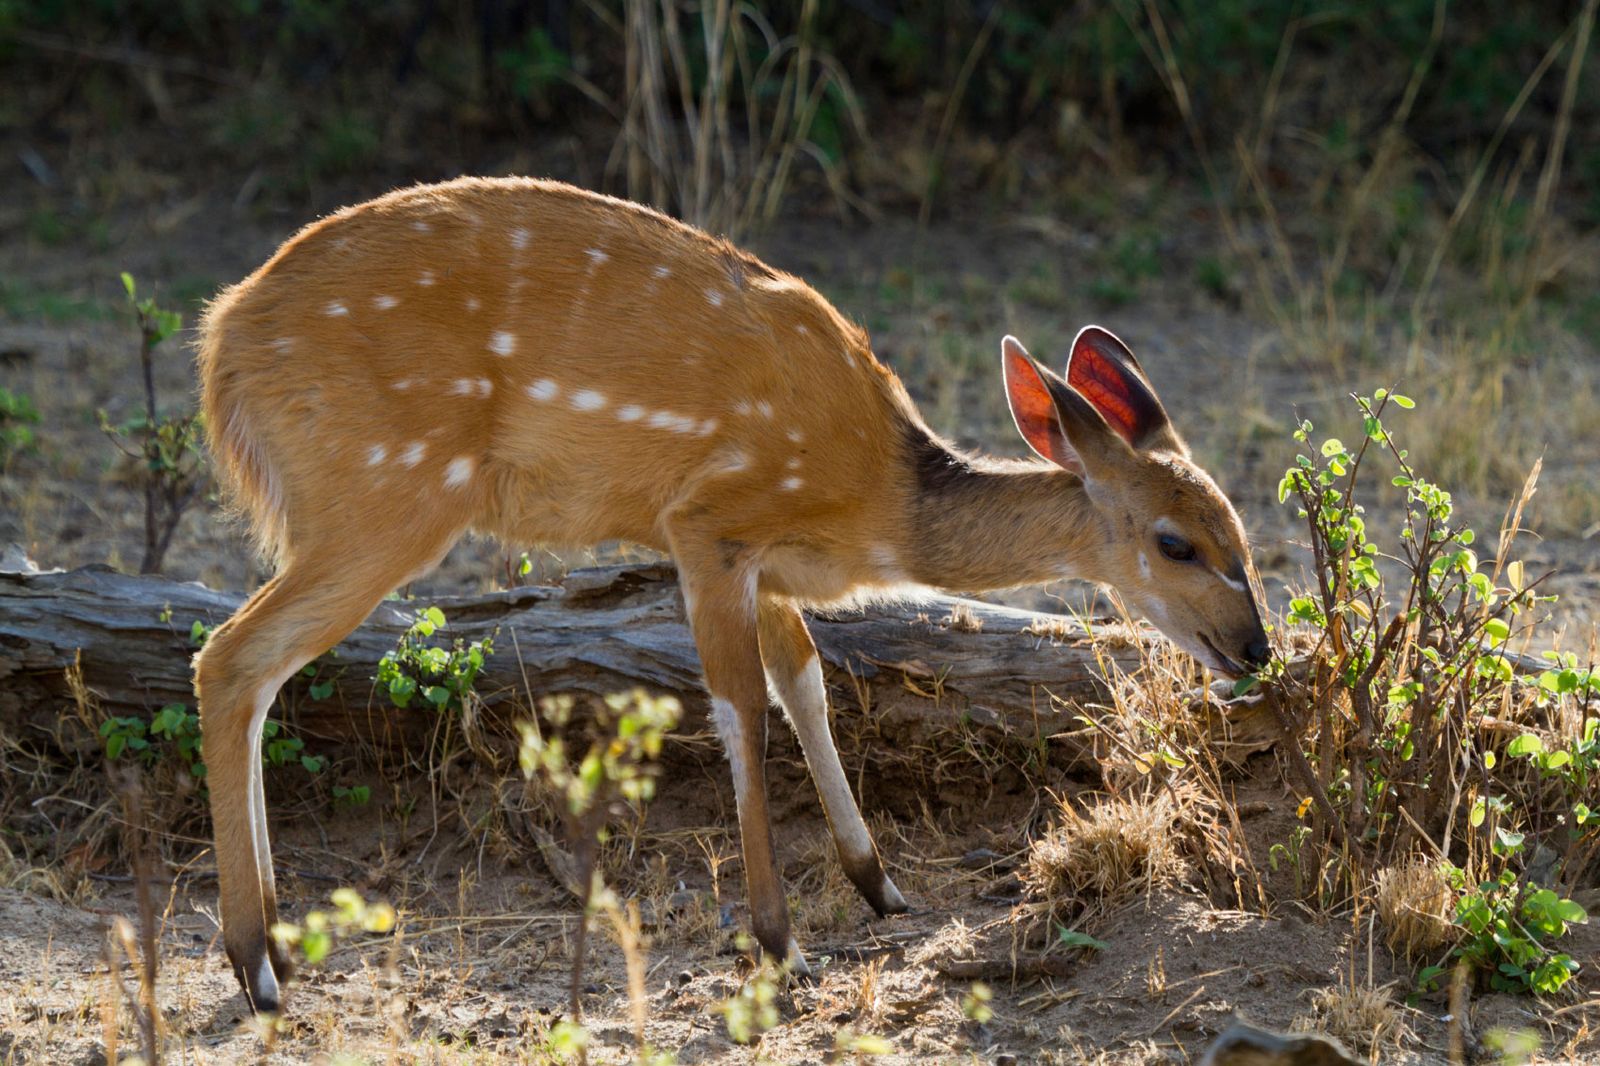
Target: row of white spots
745,408
482,387
503,343
588,400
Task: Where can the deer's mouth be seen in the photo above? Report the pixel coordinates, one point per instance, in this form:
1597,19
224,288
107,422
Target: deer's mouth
1229,667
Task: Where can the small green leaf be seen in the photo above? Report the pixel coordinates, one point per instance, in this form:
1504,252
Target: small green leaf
1402,401
1074,939
1526,744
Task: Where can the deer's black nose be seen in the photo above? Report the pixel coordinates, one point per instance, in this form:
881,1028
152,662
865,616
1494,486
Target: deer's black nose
1258,652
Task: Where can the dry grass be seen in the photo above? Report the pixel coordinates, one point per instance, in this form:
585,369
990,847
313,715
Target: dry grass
1093,859
1414,902
1360,1016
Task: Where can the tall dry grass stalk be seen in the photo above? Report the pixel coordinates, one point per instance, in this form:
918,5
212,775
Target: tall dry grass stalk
720,109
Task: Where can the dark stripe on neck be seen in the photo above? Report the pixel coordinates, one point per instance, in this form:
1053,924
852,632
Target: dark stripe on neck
938,469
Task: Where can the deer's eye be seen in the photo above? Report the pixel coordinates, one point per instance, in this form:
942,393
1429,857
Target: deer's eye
1176,548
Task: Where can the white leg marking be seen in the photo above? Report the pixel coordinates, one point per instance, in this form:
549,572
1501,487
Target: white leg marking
503,343
805,702
266,983
726,720
588,400
458,471
544,390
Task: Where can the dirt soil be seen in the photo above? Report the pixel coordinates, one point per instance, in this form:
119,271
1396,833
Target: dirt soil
480,966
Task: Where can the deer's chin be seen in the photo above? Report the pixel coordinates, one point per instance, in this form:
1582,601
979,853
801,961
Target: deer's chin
1218,662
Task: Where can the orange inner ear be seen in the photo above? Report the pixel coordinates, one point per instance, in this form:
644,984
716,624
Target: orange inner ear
1035,412
1103,383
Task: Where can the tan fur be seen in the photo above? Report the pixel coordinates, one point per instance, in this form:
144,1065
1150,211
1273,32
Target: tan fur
551,366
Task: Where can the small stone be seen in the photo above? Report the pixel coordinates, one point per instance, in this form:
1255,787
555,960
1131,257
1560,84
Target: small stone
1005,1058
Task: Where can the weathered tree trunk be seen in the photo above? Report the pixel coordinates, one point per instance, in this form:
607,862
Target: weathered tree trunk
908,672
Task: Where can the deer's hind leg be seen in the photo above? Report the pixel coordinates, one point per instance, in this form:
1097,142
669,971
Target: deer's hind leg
323,592
794,672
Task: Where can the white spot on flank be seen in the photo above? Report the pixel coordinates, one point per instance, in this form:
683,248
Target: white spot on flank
485,387
792,464
462,386
791,483
630,413
795,435
708,427
519,238
735,461
481,387
543,390
413,453
421,227
458,471
402,385
661,271
384,303
848,358
425,278
283,344
596,257
335,309
376,454
668,420
802,330
588,400
472,303
764,408
714,297
502,343
742,408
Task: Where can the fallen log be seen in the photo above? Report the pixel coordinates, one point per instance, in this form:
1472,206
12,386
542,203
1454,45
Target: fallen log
913,670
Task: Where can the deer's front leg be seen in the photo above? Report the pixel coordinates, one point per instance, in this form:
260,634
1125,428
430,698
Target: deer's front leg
721,603
794,671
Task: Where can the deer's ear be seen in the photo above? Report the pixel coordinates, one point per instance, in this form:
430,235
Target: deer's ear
1103,371
1033,406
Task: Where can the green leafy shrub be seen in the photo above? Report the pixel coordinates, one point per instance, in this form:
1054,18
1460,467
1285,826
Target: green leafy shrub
443,676
17,416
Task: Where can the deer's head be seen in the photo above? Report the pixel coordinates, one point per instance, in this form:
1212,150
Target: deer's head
1173,545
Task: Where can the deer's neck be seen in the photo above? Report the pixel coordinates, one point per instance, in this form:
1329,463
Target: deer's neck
980,524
